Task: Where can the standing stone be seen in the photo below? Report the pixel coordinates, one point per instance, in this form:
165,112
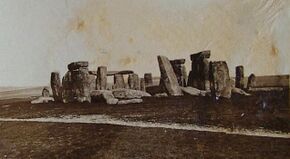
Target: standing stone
168,78
199,74
220,79
119,81
81,84
134,82
102,78
68,92
240,77
179,70
148,79
45,92
251,81
55,84
142,84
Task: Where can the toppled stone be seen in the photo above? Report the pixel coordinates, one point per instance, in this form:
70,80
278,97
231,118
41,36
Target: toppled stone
129,94
104,95
191,91
161,95
130,101
220,79
101,82
168,79
119,81
45,92
134,82
56,86
239,91
41,100
77,65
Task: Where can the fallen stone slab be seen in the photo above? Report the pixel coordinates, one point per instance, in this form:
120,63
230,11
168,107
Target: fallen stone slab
239,91
104,95
168,78
159,95
192,91
129,93
42,100
130,101
155,90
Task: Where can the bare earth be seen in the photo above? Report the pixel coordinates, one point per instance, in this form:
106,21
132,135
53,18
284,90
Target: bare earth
267,111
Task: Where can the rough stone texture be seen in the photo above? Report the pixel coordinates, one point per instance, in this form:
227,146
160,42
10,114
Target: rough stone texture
199,74
104,95
168,78
119,81
101,82
77,65
180,71
81,84
251,81
220,79
130,101
148,79
134,82
45,92
191,91
240,77
129,94
67,88
41,100
56,86
142,84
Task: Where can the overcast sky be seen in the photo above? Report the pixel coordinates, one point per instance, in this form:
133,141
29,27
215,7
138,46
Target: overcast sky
41,36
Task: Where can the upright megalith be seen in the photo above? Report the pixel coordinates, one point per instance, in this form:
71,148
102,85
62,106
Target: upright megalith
180,71
119,81
101,82
142,84
199,74
134,81
220,80
56,86
168,80
239,83
251,81
148,79
77,83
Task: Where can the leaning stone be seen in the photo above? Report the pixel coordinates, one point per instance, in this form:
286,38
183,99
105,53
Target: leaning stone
134,82
77,65
41,100
130,101
101,78
220,79
119,81
240,77
129,94
148,79
104,95
45,92
56,87
168,78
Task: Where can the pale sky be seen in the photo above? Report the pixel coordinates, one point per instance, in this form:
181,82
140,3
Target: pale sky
41,36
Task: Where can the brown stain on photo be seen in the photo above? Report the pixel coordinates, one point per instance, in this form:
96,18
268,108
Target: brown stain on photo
128,61
274,50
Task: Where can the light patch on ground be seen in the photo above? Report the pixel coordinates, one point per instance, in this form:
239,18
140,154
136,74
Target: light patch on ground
104,119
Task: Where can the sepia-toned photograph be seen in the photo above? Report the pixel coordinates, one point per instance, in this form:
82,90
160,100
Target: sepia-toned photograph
144,79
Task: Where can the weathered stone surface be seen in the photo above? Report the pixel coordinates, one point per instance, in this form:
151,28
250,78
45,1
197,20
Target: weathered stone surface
56,86
45,92
103,95
119,81
101,78
142,85
130,101
177,61
220,79
251,81
148,79
67,88
168,78
239,77
41,100
77,65
134,82
81,83
158,95
129,94
191,91
199,74
124,72
180,71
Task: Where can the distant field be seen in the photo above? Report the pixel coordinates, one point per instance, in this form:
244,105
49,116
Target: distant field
19,92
